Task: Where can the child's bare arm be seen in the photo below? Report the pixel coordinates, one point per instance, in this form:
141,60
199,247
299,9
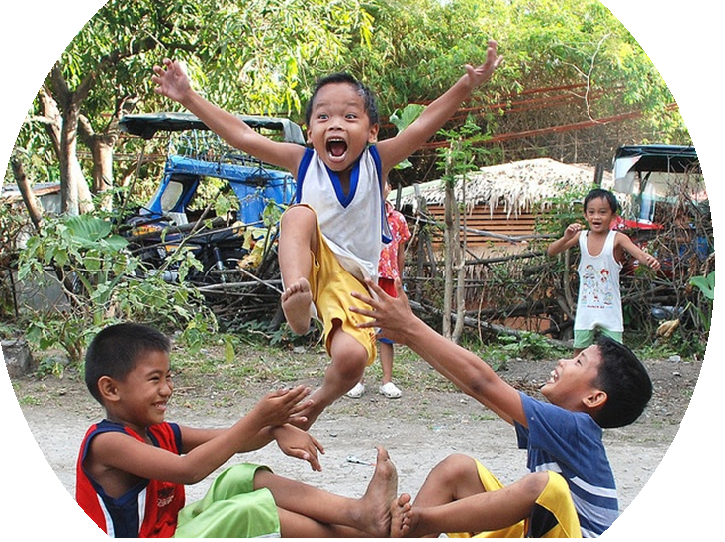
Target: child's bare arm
205,450
286,402
466,370
568,240
395,150
171,81
640,255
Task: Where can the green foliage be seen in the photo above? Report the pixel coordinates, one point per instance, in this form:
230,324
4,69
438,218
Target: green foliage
706,286
83,249
263,57
528,345
461,153
103,284
12,223
258,333
403,119
200,328
564,207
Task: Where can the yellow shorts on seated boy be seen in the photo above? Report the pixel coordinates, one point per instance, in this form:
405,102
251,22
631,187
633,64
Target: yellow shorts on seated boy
553,515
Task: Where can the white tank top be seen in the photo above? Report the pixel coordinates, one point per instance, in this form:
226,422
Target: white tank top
600,302
354,225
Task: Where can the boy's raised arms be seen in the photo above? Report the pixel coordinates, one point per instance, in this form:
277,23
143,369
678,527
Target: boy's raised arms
396,149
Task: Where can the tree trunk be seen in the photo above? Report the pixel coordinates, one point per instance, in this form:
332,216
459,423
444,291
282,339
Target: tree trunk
68,173
102,147
449,249
460,266
102,153
35,210
62,113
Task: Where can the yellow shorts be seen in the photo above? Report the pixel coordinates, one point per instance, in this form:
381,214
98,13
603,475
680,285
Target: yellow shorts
331,285
553,516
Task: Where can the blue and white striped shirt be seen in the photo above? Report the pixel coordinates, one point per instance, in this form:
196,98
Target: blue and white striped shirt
570,443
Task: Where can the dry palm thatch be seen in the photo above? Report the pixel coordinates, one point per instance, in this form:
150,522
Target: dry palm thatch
515,186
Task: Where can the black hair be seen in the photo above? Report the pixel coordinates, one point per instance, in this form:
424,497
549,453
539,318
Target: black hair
606,195
371,105
115,350
625,381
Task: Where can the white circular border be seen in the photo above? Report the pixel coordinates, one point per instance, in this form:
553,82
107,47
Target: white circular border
682,495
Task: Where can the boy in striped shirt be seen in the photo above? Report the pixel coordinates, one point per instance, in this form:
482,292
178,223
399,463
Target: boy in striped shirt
570,491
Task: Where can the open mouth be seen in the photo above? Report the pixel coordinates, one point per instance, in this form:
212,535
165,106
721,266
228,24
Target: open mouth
336,148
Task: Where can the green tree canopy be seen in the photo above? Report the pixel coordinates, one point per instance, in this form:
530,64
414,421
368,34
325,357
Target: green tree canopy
567,63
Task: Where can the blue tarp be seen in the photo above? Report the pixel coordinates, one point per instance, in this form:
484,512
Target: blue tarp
255,186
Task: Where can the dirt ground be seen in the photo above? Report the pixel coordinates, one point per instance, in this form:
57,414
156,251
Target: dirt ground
419,429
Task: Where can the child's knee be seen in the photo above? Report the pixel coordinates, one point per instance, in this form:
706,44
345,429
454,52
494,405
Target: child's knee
534,484
457,467
350,363
346,351
298,216
262,478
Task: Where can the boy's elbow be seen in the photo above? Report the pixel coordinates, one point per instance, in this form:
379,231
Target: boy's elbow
193,477
189,472
477,388
480,386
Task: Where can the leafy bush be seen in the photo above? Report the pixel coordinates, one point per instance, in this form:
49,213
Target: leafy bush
104,284
706,286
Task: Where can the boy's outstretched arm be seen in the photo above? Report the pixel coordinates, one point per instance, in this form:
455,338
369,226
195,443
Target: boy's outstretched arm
637,253
466,370
204,450
395,150
171,81
568,240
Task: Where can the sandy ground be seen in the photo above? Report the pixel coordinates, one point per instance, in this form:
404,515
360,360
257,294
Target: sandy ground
419,430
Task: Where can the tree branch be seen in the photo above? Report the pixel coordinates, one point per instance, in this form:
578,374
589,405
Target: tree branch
31,202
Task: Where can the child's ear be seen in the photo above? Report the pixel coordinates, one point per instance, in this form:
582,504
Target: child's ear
108,388
373,133
595,399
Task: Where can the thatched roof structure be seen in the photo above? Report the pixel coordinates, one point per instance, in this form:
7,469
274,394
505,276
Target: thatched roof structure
515,186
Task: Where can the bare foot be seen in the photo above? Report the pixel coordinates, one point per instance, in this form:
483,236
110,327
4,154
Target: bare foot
297,306
400,517
376,505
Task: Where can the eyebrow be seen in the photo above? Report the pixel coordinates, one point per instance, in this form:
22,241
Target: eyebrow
348,103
